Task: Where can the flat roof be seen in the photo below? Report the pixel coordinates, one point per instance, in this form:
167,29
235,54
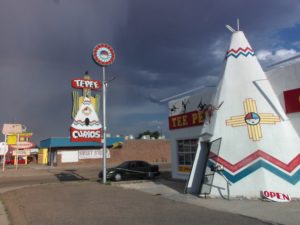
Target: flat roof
58,142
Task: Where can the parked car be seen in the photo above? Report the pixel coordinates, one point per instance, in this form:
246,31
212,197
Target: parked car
131,170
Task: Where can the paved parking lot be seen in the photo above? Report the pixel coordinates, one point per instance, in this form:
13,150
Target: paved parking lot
89,203
45,195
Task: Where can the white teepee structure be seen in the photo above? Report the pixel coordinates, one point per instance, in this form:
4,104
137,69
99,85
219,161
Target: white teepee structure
258,147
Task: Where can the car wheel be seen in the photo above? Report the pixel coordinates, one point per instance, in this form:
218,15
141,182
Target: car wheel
118,177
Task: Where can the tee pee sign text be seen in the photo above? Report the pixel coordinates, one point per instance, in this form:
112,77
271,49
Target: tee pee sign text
89,84
86,126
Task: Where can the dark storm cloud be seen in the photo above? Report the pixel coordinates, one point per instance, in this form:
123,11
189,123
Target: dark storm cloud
162,48
176,40
43,46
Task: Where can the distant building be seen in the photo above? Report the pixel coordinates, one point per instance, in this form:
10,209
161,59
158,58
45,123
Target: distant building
61,151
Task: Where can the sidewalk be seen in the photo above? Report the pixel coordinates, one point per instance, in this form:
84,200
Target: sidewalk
275,213
3,215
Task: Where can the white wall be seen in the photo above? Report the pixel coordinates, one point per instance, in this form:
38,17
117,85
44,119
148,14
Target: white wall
69,156
286,77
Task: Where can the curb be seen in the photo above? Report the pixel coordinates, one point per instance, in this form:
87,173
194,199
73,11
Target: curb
3,215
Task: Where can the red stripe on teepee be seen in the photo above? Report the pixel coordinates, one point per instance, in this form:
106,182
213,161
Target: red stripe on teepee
240,49
252,157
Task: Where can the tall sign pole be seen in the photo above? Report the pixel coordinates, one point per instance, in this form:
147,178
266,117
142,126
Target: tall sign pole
104,125
104,55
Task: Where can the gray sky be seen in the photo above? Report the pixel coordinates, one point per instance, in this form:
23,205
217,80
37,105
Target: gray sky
162,48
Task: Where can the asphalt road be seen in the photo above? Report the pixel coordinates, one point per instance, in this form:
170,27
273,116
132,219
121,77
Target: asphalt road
92,203
24,176
12,178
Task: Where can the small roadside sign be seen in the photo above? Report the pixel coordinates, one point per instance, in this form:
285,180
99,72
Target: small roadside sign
3,148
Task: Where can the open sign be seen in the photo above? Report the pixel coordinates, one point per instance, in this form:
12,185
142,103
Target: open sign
276,196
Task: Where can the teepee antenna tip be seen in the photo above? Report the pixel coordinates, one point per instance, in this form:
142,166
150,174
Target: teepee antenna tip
230,28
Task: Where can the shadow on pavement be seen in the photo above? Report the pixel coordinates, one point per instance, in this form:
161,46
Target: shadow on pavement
166,179
69,175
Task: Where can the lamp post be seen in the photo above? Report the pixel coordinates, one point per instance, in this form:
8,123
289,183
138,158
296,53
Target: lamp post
104,55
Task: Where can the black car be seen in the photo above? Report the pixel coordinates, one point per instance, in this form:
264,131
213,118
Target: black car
131,170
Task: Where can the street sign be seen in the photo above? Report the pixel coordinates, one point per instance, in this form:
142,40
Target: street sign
103,54
23,145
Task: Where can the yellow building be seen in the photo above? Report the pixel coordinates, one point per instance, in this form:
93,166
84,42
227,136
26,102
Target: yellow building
43,156
12,138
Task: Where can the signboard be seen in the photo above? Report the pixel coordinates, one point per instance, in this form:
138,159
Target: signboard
195,118
3,148
34,151
190,111
12,129
88,84
26,135
23,145
21,152
93,154
276,196
292,100
86,126
103,54
85,135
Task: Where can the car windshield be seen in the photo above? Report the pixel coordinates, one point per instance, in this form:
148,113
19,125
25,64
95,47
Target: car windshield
123,165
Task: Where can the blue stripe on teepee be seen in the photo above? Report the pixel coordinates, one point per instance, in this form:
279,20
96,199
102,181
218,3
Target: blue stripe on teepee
240,53
294,179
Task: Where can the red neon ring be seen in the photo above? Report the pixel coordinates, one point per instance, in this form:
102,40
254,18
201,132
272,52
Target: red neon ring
98,60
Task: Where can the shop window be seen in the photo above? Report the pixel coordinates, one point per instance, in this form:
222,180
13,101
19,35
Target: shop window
186,153
181,159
